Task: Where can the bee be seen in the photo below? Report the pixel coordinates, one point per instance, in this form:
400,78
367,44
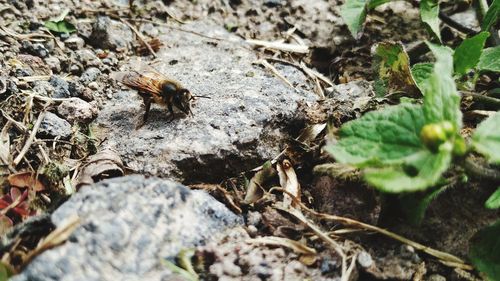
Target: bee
154,87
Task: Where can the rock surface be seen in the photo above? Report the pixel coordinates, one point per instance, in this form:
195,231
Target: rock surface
128,225
238,128
53,126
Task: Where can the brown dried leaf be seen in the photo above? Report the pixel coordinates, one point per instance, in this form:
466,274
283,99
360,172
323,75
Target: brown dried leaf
5,224
26,180
102,165
255,187
288,181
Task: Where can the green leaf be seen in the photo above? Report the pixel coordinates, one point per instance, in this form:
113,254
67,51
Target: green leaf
494,201
5,271
384,136
485,251
486,138
354,12
429,13
393,65
467,55
490,60
375,3
420,172
60,26
441,99
420,73
491,16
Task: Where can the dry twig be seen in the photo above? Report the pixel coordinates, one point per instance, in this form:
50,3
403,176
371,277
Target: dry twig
30,140
269,66
140,36
294,48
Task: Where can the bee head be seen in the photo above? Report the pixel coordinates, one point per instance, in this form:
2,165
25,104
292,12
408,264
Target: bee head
182,100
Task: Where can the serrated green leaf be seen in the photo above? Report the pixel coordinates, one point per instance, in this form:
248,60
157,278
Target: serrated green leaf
420,172
494,201
60,26
384,136
354,13
485,251
441,99
420,73
486,138
467,55
490,60
491,16
429,13
5,271
393,65
375,3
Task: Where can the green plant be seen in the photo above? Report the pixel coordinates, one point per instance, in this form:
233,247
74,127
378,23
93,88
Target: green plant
354,13
60,25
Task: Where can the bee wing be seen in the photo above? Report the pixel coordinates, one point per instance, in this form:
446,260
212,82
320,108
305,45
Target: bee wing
146,82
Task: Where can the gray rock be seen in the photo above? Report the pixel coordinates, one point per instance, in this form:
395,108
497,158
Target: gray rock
61,87
36,49
53,126
77,110
111,34
90,75
75,43
149,29
128,225
243,123
43,88
54,63
87,58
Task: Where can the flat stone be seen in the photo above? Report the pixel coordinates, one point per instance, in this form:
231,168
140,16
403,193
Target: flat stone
244,123
128,225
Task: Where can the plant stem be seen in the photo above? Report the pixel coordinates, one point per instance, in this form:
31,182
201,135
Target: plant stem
456,25
490,101
478,170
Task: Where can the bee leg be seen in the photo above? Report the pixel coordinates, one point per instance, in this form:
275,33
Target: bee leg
171,110
147,106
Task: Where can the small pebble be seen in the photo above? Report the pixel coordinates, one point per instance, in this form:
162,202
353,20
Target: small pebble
93,85
75,43
77,110
365,259
53,126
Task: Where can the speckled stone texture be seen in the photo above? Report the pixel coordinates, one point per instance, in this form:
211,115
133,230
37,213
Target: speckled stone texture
128,225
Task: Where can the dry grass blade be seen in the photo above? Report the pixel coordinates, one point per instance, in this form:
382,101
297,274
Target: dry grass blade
140,36
269,66
322,235
34,78
28,143
443,257
296,246
55,238
294,48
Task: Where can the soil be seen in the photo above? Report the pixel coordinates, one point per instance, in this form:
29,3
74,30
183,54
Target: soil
40,71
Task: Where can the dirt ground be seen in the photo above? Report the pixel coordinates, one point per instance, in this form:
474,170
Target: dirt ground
38,67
